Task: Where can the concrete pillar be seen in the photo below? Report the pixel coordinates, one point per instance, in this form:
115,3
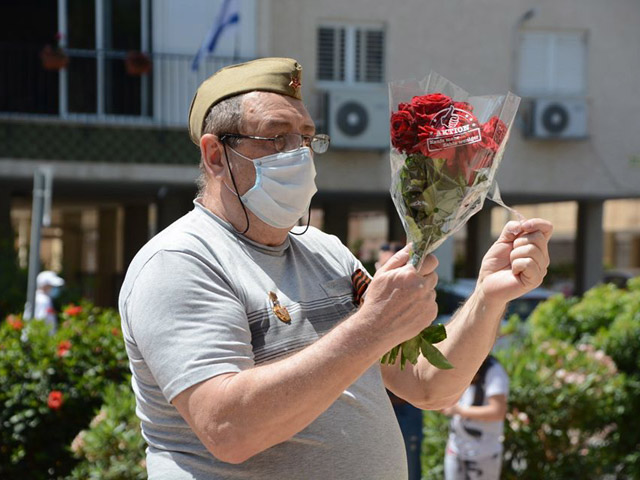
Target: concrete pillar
107,257
446,258
396,230
478,241
634,257
589,245
136,230
6,232
336,219
72,246
172,205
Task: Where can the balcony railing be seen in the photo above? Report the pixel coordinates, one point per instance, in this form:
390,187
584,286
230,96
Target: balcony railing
95,87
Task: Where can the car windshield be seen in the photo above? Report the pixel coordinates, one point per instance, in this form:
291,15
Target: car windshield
522,307
449,302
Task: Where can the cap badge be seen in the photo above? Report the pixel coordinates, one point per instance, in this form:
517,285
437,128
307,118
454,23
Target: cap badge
295,80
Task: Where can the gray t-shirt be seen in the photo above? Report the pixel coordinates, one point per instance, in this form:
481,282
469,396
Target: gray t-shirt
195,304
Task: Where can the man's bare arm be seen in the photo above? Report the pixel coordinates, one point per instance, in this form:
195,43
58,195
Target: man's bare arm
515,264
431,388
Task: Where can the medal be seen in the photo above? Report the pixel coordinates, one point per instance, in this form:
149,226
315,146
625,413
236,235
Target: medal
280,311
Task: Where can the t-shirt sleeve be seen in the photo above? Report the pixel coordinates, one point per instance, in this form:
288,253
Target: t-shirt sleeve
187,322
497,381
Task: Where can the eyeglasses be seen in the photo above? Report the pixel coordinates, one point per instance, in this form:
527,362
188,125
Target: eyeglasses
290,141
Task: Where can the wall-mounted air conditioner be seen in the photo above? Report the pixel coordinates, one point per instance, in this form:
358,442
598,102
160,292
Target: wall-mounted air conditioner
358,119
559,118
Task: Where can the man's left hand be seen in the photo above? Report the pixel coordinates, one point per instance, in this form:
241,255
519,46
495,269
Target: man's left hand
517,262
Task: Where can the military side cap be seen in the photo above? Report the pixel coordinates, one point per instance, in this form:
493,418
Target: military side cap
278,75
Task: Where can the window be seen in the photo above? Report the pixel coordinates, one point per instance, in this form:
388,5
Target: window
351,54
552,63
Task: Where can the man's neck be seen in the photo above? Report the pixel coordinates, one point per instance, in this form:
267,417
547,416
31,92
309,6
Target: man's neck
231,211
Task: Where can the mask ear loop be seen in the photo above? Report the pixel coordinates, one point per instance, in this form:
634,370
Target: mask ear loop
308,221
233,180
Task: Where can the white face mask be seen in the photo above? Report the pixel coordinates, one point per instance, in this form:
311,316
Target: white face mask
283,188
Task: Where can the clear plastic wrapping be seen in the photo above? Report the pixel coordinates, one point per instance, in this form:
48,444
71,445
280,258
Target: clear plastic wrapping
446,147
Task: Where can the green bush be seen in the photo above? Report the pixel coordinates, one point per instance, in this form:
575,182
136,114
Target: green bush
50,386
564,407
112,448
436,431
575,391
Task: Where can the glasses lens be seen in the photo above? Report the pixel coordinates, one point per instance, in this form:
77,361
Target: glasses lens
288,142
320,143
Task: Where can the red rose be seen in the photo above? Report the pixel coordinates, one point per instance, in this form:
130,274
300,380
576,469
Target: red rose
494,129
14,322
404,134
54,402
63,348
73,310
406,107
463,106
424,105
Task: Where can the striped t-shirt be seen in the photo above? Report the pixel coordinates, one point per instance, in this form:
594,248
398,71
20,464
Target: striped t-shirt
200,300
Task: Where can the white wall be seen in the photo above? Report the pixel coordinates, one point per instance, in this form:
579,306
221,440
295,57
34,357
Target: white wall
179,28
473,43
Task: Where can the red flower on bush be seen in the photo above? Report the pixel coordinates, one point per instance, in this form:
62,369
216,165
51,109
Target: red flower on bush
15,322
73,310
116,331
63,348
55,400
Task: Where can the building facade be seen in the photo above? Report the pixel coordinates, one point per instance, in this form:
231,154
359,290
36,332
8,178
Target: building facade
124,167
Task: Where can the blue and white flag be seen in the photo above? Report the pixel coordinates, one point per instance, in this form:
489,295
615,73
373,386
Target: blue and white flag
228,16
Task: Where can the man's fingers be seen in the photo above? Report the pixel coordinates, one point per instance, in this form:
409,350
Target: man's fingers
529,271
538,224
510,232
399,259
536,238
530,251
429,264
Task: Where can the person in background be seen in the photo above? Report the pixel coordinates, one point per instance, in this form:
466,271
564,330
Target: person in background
48,285
409,417
474,448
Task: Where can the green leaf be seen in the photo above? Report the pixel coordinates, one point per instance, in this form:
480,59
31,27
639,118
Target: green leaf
435,356
434,334
411,349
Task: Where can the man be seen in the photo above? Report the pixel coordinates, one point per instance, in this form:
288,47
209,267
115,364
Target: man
48,285
250,358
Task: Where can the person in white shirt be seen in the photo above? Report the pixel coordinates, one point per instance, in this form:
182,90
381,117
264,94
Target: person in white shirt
48,284
474,449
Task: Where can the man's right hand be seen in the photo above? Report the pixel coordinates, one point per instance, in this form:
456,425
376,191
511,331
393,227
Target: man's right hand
401,301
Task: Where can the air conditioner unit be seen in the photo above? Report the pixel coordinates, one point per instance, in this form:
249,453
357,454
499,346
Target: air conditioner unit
559,118
358,119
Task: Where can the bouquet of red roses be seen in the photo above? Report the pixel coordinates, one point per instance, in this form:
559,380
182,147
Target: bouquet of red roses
445,150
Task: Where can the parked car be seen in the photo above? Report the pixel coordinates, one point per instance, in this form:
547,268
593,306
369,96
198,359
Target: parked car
620,277
452,295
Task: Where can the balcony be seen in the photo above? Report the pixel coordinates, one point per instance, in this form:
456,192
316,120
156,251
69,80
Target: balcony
95,87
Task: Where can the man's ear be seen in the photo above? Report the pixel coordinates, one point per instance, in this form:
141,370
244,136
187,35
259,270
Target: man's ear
212,153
